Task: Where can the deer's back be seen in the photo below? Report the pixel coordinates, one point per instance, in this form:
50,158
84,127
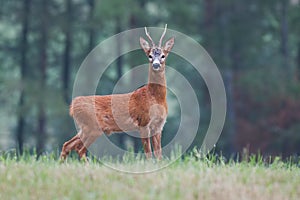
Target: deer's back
118,112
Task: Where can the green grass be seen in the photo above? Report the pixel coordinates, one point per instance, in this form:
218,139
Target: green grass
192,177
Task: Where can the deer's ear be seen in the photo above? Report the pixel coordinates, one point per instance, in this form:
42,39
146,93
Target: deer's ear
169,44
145,45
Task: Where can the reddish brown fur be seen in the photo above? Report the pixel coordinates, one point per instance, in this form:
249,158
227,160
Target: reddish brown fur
144,110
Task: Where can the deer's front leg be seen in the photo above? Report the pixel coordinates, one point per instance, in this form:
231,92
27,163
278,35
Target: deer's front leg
147,147
146,142
156,139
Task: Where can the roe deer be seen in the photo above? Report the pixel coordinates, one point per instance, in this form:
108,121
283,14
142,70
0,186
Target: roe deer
144,110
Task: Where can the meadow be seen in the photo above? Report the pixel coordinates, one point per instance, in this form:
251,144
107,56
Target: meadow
191,177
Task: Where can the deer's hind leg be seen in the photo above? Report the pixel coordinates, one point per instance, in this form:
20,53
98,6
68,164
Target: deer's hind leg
69,146
86,139
81,150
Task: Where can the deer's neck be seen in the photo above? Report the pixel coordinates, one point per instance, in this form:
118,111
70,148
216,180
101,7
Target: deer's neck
157,85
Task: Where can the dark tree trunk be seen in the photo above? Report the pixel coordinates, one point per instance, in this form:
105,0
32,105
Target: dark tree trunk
228,58
231,113
298,60
208,22
122,137
119,48
67,52
284,39
41,131
23,68
132,63
91,25
209,15
21,123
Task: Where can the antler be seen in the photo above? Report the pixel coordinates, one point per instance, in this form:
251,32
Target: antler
149,37
161,38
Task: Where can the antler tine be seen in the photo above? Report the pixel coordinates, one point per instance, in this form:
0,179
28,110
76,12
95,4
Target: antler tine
149,37
162,36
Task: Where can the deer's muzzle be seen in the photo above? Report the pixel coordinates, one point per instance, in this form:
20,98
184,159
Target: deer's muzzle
156,64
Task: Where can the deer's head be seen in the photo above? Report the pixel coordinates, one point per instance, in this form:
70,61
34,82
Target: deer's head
157,54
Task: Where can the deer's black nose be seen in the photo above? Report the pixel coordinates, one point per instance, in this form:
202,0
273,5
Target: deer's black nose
156,66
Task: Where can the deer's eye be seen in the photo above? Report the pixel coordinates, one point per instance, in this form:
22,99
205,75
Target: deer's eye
150,57
163,56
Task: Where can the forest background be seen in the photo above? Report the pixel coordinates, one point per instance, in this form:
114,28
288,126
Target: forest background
255,44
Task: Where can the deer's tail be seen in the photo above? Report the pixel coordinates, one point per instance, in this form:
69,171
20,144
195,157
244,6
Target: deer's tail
71,109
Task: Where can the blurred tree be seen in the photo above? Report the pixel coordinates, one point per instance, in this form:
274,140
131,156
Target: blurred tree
255,44
119,15
264,113
43,45
23,72
92,25
284,32
67,51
